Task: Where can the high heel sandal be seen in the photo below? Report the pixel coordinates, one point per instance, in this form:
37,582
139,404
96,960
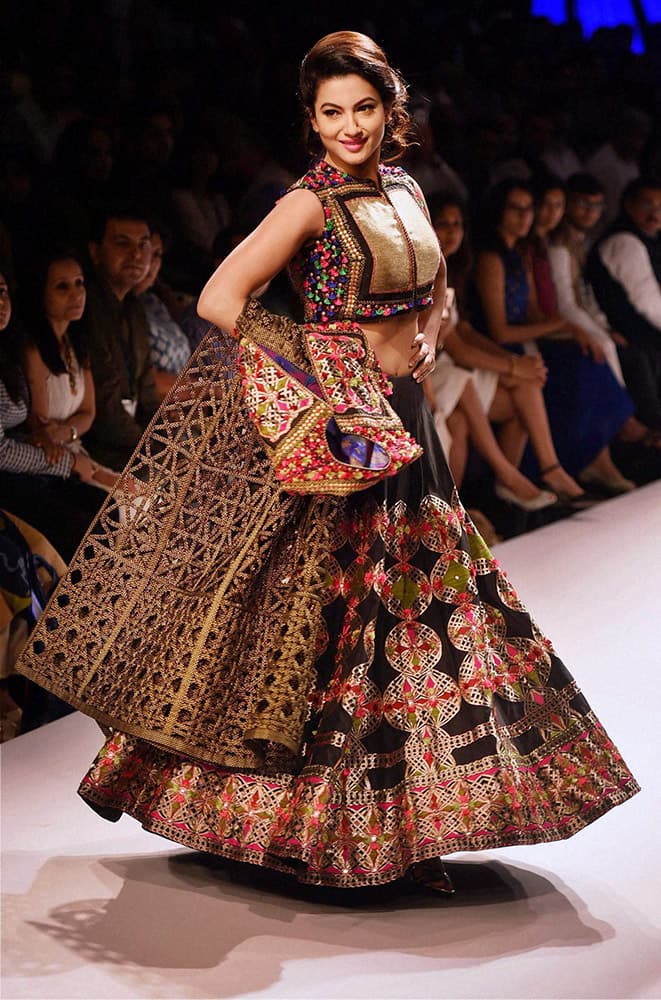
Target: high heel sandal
432,874
578,501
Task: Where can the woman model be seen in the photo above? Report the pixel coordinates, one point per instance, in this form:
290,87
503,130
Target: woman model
341,687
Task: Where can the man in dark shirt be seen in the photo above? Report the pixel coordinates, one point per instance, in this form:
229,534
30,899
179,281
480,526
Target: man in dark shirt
126,397
625,272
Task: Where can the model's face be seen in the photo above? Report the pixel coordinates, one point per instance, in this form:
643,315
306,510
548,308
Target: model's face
550,210
645,211
350,119
449,227
5,303
584,210
124,255
517,214
64,296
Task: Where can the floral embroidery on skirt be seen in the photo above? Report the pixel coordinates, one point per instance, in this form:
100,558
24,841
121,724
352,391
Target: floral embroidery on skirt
440,717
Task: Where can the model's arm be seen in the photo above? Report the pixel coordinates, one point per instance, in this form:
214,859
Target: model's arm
490,279
297,217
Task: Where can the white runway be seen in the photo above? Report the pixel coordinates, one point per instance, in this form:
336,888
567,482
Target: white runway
93,910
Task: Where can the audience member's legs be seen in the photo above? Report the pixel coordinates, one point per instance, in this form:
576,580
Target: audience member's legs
528,401
486,444
512,435
642,374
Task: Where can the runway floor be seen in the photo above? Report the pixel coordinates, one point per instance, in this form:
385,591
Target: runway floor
93,910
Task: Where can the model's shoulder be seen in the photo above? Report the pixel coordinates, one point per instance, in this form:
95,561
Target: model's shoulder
391,174
321,176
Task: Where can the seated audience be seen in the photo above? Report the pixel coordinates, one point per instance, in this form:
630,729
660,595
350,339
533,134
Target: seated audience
56,361
566,245
169,347
45,485
625,272
477,383
585,404
29,569
126,395
615,162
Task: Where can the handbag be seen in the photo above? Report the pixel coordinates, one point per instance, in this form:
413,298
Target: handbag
317,397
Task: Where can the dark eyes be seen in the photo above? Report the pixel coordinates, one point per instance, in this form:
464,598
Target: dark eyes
332,112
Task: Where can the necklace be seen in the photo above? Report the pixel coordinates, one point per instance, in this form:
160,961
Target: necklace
70,361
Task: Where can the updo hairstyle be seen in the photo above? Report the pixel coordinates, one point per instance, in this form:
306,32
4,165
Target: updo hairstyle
342,53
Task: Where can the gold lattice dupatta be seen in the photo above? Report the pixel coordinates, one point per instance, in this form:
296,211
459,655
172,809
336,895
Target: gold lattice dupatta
191,613
317,397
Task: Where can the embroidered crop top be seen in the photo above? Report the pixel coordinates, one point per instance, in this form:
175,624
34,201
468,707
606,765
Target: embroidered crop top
378,254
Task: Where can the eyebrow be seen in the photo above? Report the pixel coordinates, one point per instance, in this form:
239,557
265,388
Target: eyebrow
330,104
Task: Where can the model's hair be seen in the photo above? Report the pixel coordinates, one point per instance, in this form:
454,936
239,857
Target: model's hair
36,326
341,54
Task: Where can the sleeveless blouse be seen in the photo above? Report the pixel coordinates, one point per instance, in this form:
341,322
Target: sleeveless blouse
63,401
517,291
378,255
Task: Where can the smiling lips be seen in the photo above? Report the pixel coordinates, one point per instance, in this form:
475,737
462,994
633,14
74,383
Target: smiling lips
353,145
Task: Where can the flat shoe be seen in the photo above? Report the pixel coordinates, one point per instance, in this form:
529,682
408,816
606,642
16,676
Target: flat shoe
580,501
543,499
611,487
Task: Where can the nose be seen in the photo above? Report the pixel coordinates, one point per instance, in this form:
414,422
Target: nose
352,127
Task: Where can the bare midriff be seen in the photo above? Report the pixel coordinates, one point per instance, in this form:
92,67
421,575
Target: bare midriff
392,341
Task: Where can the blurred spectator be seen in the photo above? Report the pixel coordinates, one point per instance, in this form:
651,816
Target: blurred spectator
425,163
82,167
567,254
625,272
615,163
143,174
558,157
202,211
169,348
57,366
45,485
43,108
126,396
550,202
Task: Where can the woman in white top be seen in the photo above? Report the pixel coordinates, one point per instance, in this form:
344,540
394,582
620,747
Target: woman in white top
56,364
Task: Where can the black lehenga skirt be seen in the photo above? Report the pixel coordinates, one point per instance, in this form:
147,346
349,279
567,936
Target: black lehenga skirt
439,717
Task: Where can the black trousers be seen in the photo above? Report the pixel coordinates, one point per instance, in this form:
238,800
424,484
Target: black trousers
641,367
